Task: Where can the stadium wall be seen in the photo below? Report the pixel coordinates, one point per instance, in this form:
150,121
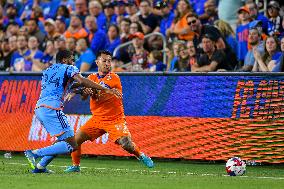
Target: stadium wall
181,115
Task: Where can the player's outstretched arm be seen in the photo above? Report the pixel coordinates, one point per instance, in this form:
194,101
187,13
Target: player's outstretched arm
90,84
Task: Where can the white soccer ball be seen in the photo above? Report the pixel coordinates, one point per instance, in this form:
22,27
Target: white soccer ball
235,166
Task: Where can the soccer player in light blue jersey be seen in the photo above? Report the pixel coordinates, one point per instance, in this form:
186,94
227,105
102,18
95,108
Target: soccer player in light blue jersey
49,107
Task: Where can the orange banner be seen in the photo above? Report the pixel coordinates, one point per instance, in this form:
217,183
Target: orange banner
163,137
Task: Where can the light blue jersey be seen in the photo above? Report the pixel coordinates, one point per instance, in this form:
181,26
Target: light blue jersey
54,83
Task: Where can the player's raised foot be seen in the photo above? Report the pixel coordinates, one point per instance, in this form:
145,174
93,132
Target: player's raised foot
146,160
72,169
31,158
45,170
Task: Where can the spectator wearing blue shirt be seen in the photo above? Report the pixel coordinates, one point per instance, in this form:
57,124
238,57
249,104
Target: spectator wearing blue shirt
280,62
113,38
109,13
34,54
167,14
96,37
20,61
86,61
272,53
256,43
155,60
255,15
242,32
11,15
96,9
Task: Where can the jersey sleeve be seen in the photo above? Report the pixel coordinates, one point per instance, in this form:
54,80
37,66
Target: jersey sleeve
72,70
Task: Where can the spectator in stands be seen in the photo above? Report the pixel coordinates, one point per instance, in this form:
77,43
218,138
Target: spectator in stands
212,59
193,56
96,9
76,29
86,61
119,10
182,65
11,15
267,62
33,30
96,37
131,10
71,46
167,16
34,54
59,43
227,32
116,65
37,15
279,67
109,13
13,43
175,54
81,9
255,15
63,12
5,55
125,30
60,25
19,61
139,58
254,40
200,30
242,32
135,27
49,26
180,27
155,60
211,14
12,29
113,39
275,20
147,19
47,59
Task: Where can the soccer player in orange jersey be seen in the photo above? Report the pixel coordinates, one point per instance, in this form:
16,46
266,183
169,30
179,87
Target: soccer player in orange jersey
108,114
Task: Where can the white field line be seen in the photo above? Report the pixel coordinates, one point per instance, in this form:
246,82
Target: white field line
152,171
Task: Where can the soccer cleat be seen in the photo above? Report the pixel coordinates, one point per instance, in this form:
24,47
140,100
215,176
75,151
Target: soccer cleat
146,160
72,169
45,170
31,158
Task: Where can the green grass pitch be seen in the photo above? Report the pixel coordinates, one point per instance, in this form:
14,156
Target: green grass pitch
104,173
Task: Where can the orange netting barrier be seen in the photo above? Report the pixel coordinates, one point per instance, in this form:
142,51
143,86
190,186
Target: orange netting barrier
164,137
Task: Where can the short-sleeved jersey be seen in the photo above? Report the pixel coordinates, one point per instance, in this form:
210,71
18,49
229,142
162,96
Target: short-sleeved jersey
54,83
107,107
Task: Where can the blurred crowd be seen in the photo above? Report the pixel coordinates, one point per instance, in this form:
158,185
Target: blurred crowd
156,35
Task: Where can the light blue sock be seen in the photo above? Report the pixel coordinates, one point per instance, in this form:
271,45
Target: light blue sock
58,148
46,160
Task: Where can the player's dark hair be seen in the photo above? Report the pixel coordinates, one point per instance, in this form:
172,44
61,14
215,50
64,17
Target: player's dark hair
104,52
63,54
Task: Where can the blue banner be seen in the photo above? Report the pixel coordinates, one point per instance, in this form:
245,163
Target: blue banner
161,95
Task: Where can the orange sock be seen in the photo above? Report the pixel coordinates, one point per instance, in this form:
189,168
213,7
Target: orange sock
136,151
76,156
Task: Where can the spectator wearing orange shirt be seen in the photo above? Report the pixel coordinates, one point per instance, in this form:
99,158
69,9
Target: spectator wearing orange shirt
180,27
76,29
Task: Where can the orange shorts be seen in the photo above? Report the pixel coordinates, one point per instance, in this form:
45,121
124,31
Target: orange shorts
95,128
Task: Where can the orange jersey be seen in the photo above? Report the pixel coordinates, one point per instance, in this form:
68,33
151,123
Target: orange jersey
107,107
